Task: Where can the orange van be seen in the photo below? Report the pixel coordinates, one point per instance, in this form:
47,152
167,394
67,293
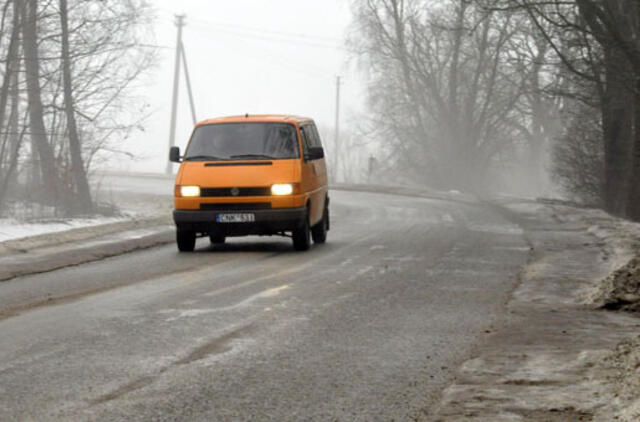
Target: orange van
252,175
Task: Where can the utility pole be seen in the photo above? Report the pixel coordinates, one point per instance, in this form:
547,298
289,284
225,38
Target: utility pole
176,79
189,91
337,128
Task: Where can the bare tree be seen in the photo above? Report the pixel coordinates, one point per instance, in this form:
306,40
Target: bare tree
10,147
444,86
599,42
578,156
77,169
29,22
80,61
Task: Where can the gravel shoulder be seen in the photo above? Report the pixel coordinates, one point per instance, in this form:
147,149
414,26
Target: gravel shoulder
558,354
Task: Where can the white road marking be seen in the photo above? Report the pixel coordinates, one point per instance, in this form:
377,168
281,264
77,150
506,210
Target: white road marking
244,303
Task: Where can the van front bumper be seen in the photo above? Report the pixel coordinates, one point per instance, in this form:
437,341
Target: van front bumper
267,222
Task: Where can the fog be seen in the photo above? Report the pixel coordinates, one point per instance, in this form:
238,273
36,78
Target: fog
432,223
246,56
486,96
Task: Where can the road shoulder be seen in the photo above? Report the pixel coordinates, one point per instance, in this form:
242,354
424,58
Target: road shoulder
556,356
18,262
150,225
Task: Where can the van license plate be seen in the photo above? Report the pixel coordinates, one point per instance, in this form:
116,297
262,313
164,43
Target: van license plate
236,218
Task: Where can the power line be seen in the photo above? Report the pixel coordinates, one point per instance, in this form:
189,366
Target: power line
273,38
246,28
163,47
284,61
311,70
262,30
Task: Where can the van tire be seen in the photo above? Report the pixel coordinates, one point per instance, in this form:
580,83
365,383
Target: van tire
186,240
217,239
302,236
319,231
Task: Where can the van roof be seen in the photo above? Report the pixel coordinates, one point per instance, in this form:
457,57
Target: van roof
281,118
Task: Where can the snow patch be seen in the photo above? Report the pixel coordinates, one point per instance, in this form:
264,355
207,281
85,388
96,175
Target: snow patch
447,218
361,272
11,229
190,313
347,261
511,248
496,229
404,258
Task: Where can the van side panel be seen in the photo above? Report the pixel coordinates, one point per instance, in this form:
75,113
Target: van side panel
311,181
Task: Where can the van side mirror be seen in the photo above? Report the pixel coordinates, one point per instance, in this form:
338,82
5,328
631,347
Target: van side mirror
174,154
314,153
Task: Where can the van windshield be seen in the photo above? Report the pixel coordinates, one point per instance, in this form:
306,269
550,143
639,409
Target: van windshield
243,141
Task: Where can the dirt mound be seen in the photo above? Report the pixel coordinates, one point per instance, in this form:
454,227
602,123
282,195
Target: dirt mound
623,288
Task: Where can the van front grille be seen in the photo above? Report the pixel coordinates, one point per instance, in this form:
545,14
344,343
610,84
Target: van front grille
249,206
224,192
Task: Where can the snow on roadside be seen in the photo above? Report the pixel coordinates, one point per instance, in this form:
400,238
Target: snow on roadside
619,238
554,358
128,203
623,238
620,290
11,229
625,361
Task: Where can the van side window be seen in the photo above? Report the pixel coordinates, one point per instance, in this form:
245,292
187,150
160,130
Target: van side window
312,135
305,139
318,142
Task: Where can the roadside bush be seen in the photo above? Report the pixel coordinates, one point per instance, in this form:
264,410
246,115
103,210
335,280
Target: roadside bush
577,163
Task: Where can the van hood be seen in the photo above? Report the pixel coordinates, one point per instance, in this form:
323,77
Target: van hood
221,174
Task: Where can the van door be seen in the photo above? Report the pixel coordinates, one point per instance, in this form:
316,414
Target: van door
310,179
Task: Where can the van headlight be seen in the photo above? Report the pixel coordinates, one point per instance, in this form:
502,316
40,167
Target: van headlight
280,189
189,191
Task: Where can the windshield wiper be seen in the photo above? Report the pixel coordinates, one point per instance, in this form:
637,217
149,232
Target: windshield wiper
203,158
249,156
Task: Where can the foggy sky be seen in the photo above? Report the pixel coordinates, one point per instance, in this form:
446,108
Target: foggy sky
245,56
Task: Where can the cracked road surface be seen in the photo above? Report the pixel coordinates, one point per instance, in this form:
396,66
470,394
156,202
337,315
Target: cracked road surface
368,327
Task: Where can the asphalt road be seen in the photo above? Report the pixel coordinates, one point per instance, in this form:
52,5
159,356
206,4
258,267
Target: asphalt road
368,327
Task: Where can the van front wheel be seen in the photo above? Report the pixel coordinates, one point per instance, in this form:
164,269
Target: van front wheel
302,236
186,240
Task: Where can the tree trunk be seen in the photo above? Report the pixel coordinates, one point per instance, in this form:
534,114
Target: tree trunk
28,12
539,122
617,121
402,55
633,202
16,134
9,88
15,142
9,69
458,151
75,148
